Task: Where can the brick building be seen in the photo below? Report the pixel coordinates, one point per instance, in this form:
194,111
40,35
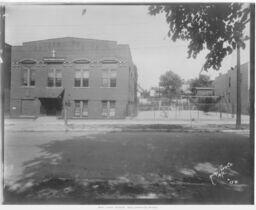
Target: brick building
7,77
225,85
94,79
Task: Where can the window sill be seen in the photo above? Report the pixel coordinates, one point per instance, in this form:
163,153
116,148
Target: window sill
81,87
108,87
28,86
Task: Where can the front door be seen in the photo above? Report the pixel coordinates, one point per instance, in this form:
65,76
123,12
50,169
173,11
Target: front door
27,107
50,106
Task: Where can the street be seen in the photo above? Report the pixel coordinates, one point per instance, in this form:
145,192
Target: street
81,167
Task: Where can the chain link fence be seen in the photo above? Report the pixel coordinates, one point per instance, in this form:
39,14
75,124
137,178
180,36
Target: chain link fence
186,108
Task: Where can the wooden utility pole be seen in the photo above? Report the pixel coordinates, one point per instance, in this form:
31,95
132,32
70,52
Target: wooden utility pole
252,99
252,71
2,52
238,90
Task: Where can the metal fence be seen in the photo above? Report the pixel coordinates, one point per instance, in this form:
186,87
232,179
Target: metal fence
189,108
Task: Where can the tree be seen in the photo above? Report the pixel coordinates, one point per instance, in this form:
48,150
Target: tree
217,27
145,93
170,84
201,81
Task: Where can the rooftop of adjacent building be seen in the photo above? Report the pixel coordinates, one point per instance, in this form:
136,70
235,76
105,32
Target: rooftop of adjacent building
66,39
243,67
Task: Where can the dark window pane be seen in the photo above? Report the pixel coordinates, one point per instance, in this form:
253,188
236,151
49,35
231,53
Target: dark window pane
50,79
112,82
58,82
50,82
24,77
77,108
32,77
85,82
77,82
58,78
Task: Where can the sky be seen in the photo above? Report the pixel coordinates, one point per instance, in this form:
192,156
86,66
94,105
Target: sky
152,51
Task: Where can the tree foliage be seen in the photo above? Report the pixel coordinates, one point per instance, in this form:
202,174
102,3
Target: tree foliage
170,84
217,27
145,93
201,81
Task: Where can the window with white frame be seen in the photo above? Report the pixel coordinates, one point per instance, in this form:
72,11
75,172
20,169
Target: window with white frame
81,78
28,77
81,108
109,78
108,108
54,78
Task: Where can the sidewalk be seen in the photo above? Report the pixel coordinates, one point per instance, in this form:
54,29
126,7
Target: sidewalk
135,124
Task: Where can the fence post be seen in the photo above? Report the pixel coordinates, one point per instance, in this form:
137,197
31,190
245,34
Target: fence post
190,110
220,103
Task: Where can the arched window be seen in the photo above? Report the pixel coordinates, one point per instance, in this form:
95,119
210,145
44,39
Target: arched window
27,61
81,61
109,61
28,77
28,74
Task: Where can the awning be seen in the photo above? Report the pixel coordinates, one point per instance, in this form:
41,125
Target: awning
50,93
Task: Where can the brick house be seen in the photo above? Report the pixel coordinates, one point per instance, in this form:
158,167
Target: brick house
225,86
7,77
94,79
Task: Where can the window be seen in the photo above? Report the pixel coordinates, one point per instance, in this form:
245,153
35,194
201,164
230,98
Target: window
105,108
113,75
51,78
54,78
109,78
25,77
32,77
84,108
81,108
85,78
108,108
77,108
81,78
58,79
112,109
77,78
28,77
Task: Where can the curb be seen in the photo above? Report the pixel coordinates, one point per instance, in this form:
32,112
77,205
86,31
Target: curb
184,130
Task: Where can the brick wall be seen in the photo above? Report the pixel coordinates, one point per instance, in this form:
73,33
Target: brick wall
225,85
72,49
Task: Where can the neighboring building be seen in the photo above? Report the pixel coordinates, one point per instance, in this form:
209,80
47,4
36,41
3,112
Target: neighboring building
225,85
7,77
203,91
93,78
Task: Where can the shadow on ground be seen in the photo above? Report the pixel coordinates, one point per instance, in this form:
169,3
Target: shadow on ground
135,168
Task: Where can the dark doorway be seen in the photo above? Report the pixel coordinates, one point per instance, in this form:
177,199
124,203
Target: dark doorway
50,106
